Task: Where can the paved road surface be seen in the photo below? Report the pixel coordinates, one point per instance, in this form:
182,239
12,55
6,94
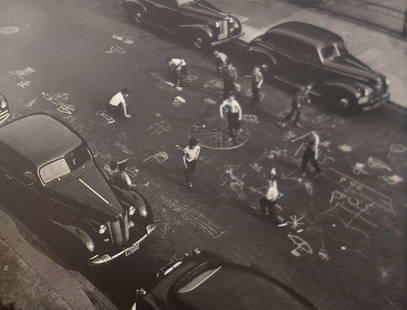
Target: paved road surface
345,245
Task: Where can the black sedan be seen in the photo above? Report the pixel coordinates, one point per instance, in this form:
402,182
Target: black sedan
196,21
207,281
299,53
48,169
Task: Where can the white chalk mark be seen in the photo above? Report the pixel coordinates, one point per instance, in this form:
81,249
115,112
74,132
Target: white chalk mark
295,222
323,254
160,157
210,101
192,216
22,73
9,30
345,148
31,103
359,169
123,39
378,164
299,149
396,148
107,117
178,101
250,118
66,109
23,84
256,167
309,188
391,179
232,176
159,128
301,245
216,83
299,138
289,135
115,50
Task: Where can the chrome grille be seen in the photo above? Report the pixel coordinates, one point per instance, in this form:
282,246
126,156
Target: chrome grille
116,232
223,29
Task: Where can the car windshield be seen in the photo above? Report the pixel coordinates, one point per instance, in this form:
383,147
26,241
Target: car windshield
64,166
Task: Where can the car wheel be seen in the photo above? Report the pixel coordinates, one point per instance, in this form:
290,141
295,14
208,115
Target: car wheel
345,106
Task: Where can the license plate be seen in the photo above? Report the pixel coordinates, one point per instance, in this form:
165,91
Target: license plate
131,249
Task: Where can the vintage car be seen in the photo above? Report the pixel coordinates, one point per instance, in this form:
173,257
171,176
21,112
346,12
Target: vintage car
207,281
4,111
196,21
299,53
48,169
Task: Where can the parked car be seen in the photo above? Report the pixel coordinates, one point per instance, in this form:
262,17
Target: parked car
4,111
299,53
207,281
48,168
197,21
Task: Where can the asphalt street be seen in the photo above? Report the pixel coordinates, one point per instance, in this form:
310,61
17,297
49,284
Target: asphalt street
344,246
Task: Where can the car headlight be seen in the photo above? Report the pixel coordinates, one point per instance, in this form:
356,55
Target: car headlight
367,91
102,229
217,24
363,100
387,81
132,210
3,104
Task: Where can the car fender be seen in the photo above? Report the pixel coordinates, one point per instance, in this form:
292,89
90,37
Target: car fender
79,234
340,86
131,4
198,27
255,49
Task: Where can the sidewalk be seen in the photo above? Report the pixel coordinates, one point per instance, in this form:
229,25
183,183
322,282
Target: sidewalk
382,52
31,280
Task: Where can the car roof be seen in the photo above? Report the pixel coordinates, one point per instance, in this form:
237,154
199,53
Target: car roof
306,33
40,138
241,288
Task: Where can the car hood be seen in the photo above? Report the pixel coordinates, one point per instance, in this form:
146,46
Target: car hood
203,11
88,189
351,66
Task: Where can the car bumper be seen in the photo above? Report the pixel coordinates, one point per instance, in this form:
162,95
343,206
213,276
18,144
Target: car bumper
105,258
377,102
215,43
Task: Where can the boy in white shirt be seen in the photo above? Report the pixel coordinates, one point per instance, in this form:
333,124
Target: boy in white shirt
191,154
118,102
268,204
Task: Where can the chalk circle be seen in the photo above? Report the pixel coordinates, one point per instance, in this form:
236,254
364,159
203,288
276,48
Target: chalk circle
8,30
250,118
212,133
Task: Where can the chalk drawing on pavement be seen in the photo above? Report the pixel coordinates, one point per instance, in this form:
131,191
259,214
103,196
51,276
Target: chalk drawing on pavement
192,216
373,162
22,73
395,149
210,101
250,118
359,169
105,116
30,103
391,179
178,101
159,157
159,127
9,30
300,245
66,109
295,221
273,153
345,148
256,167
289,135
114,49
215,83
234,179
123,39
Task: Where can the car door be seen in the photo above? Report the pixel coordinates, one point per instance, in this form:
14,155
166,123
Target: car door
307,63
163,13
282,51
18,182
